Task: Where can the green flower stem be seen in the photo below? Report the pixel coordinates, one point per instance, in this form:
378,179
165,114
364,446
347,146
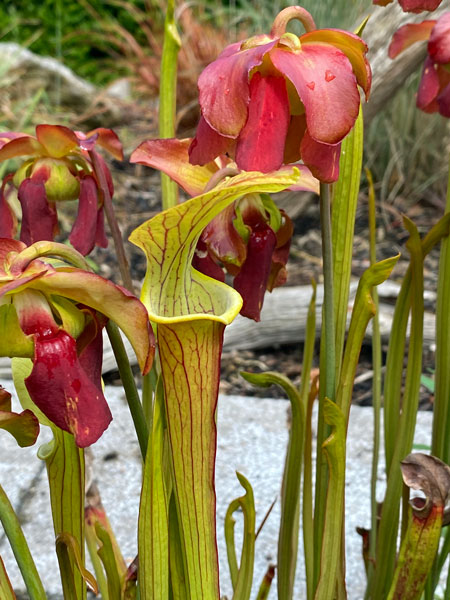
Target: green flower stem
327,383
112,222
19,546
376,387
441,419
168,96
129,385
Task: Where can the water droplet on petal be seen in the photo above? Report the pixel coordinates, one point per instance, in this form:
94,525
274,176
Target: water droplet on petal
221,77
329,76
226,91
311,85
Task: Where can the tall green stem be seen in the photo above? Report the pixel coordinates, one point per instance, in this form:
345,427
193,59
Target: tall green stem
19,546
168,96
129,386
327,384
441,420
376,388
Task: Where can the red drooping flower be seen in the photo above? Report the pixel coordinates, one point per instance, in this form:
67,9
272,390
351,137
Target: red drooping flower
274,99
413,6
59,169
250,239
434,88
54,315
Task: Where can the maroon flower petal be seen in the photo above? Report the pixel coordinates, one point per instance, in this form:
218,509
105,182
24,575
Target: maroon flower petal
251,281
60,387
325,82
204,262
208,144
409,34
439,42
443,101
278,273
224,89
260,146
322,159
7,218
39,220
428,88
82,236
417,6
100,237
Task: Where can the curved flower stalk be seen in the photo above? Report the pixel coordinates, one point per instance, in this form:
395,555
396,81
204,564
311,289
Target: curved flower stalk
273,99
59,169
191,311
48,312
434,88
250,238
413,6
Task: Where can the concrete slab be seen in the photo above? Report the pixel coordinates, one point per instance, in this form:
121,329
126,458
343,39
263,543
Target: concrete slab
252,436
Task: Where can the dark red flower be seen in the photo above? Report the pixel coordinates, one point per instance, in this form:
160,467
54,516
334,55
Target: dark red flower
60,169
413,6
434,88
252,96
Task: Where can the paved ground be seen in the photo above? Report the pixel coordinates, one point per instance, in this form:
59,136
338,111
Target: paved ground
252,440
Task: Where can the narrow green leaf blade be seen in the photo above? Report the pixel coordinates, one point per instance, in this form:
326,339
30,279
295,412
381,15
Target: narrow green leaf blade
334,449
345,200
153,527
6,590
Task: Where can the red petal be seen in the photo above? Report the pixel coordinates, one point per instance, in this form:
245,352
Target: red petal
325,82
409,34
62,390
260,145
82,236
7,217
21,146
278,273
57,140
428,88
224,89
322,159
107,139
296,131
39,220
354,48
208,144
439,42
171,156
444,101
417,6
251,281
100,237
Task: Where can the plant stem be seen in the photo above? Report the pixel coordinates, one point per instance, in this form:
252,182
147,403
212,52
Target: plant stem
376,387
129,386
112,222
441,419
327,383
168,96
19,546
